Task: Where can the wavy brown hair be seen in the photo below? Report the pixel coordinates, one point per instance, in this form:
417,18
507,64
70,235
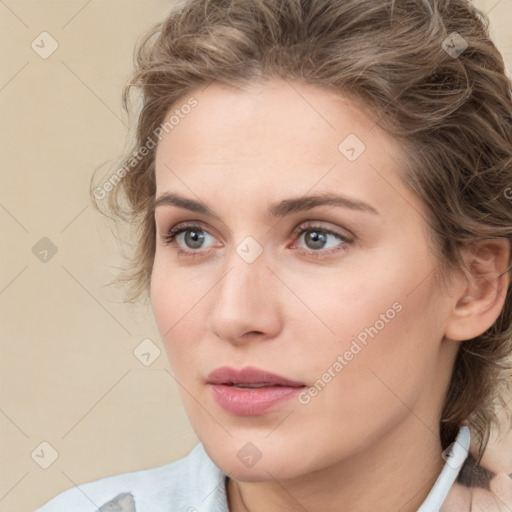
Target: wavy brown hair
452,114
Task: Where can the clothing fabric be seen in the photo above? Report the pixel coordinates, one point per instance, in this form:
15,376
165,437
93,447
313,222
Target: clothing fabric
195,484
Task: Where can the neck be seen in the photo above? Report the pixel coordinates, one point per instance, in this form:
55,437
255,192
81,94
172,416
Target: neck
394,473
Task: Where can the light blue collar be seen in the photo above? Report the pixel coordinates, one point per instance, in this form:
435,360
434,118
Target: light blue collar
456,453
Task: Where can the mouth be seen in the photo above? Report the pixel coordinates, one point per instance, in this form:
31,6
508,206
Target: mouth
250,391
250,378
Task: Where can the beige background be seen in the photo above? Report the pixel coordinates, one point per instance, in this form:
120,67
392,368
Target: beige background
69,376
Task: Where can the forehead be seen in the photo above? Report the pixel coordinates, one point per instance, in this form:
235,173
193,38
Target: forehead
264,115
277,136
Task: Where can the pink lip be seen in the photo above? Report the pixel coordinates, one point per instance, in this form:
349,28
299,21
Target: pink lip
225,384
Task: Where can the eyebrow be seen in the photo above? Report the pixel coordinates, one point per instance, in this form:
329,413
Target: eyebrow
280,209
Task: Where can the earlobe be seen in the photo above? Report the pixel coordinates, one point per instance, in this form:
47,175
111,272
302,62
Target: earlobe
486,279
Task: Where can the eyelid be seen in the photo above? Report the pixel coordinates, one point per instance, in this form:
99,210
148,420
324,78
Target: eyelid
324,253
177,229
169,238
342,233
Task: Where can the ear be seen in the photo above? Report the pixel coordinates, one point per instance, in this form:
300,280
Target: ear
484,287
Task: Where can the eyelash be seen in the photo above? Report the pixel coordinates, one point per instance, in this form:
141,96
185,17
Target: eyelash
172,233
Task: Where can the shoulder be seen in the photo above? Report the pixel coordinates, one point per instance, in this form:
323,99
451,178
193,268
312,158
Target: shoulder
189,484
498,498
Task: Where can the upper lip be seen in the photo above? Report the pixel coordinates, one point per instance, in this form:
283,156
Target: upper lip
249,375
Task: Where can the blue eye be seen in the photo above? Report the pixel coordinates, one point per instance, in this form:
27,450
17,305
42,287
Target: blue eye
194,236
318,238
189,240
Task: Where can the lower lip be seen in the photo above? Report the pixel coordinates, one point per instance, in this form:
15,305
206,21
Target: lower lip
251,401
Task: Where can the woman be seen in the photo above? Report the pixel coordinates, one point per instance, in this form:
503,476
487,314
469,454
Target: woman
320,196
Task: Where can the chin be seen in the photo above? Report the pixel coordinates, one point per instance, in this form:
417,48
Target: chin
261,472
248,464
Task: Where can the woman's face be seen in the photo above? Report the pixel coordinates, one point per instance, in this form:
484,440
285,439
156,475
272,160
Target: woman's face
300,254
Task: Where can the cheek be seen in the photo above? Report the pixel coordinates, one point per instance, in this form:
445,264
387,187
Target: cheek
370,300
173,293
368,382
388,326
398,360
171,300
181,304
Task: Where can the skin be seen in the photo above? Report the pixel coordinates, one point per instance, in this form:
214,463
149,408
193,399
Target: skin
297,307
498,454
496,458
497,499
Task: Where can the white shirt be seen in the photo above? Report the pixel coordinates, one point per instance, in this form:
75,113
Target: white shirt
195,484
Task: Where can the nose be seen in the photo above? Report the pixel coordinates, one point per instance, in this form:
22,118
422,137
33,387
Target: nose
246,304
